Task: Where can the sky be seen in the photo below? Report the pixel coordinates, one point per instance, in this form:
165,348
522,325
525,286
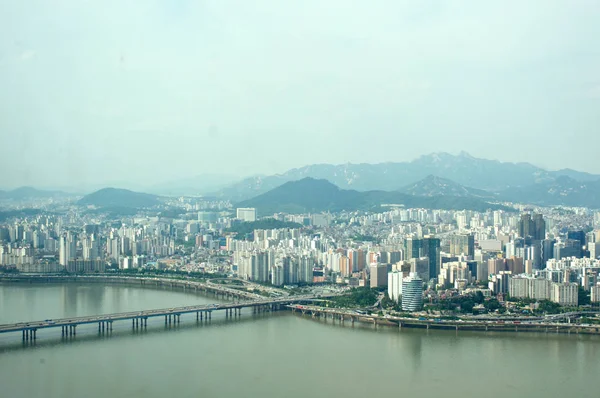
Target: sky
147,91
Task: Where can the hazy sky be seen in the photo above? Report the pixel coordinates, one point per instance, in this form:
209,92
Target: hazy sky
147,91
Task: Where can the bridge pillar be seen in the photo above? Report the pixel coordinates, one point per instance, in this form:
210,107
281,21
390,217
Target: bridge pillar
165,319
201,315
209,315
197,316
23,334
133,323
110,324
34,333
146,322
178,318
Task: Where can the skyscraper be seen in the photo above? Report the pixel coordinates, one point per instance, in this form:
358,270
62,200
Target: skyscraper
378,274
577,235
534,227
431,249
526,225
395,285
539,227
412,293
412,248
462,244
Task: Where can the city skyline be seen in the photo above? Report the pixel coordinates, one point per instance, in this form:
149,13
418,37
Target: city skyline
186,88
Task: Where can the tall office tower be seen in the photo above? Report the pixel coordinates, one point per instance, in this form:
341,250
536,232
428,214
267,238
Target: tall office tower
547,246
577,235
412,293
412,248
246,213
539,227
378,273
462,244
420,266
430,248
526,225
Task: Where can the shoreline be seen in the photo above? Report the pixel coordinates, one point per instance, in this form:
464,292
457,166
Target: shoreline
335,314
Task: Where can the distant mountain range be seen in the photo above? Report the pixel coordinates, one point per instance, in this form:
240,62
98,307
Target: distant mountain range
436,176
563,190
462,169
317,195
24,193
122,198
437,186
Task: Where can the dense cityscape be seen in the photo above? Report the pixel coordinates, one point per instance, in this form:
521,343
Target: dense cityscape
439,262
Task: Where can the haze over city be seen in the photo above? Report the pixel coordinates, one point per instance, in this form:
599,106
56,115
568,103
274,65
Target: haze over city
148,91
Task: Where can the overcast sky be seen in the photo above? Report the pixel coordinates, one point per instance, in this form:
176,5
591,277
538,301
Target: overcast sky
147,91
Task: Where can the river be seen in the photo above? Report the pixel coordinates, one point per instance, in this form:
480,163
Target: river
273,355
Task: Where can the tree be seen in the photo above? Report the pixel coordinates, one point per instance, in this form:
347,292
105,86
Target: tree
548,307
467,306
492,305
478,297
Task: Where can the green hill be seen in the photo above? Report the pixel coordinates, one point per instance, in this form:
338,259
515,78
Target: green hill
310,195
114,197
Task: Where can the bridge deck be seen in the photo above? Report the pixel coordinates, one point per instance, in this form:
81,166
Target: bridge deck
33,325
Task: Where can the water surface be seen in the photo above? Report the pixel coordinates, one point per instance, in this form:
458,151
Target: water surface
276,355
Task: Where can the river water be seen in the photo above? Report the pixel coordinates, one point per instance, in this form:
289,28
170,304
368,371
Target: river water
273,355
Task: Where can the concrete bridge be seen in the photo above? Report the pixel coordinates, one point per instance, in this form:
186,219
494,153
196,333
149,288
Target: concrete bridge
540,325
218,290
139,319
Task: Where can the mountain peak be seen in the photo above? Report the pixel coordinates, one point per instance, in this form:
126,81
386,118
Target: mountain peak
433,185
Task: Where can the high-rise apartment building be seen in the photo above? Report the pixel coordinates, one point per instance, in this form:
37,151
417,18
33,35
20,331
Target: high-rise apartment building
395,285
565,293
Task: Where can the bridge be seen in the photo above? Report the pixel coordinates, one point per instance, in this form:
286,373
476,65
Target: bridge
531,325
139,319
187,284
